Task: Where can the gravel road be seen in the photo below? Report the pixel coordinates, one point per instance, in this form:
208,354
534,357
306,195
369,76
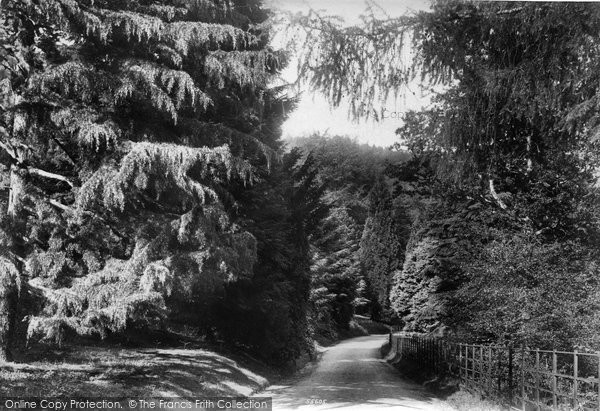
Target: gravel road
352,376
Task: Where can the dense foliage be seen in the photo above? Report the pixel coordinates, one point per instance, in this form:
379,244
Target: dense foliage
268,312
131,132
508,155
146,186
543,294
383,245
345,278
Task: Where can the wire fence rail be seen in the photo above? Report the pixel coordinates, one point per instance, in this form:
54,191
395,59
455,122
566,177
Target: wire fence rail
521,378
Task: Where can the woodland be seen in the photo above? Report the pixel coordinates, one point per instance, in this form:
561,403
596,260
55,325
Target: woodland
146,187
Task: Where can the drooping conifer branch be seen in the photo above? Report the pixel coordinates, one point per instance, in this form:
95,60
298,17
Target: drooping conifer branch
172,163
177,85
53,176
112,81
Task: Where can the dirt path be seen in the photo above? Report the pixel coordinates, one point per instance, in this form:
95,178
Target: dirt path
351,376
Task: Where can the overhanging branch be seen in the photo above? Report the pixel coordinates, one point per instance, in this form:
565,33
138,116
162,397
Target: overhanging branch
13,152
46,174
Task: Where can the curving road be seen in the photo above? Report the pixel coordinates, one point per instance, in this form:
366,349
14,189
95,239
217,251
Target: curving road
351,376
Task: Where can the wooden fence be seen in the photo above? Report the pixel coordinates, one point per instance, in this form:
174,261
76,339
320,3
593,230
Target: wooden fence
520,378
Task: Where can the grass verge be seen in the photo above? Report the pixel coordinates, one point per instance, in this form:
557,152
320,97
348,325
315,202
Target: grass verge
105,371
465,401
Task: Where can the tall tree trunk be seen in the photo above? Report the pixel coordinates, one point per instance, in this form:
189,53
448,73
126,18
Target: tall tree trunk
10,272
9,296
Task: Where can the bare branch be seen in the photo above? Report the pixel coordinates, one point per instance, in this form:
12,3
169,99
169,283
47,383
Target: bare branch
64,149
47,174
60,205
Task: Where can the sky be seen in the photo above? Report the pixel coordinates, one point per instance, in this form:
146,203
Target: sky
314,114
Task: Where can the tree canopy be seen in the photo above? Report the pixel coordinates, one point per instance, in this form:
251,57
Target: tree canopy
128,130
507,150
516,81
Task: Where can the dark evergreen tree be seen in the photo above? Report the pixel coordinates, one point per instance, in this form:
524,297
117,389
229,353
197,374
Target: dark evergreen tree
383,245
335,272
340,284
268,313
122,143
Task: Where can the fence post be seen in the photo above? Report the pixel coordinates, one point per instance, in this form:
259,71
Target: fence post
510,374
481,368
490,375
440,356
523,402
432,353
438,351
575,374
537,379
472,369
554,379
598,355
499,370
460,362
418,347
434,348
424,352
467,369
415,346
474,379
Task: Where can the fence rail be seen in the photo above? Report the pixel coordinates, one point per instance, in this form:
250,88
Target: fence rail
519,377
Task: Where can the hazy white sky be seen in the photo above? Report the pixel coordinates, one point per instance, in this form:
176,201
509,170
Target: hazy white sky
313,113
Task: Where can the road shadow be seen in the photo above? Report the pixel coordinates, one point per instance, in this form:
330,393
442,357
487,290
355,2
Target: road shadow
112,372
351,375
342,396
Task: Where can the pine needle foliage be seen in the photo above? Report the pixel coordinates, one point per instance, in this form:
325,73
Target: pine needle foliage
352,235
267,314
514,86
507,49
130,122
